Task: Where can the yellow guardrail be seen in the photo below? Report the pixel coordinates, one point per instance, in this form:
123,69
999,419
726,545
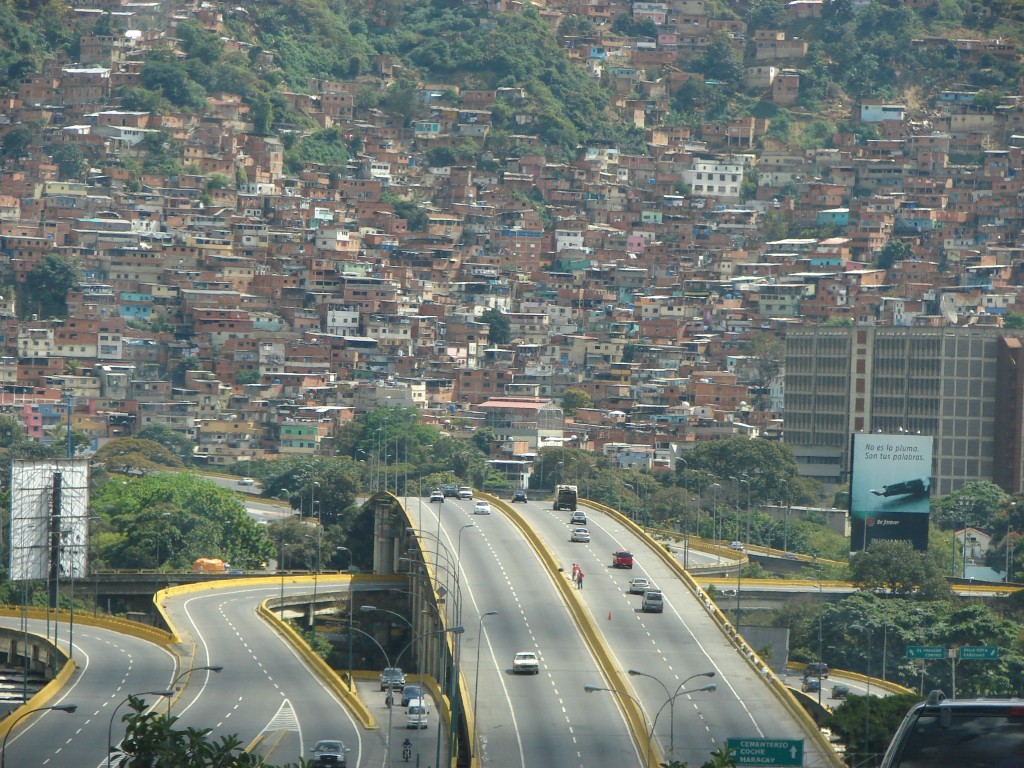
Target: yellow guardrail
886,685
775,685
322,669
602,654
42,698
124,626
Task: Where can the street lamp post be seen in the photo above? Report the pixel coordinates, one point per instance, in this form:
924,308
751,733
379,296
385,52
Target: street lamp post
476,682
186,673
110,728
458,548
639,706
315,503
867,698
746,479
785,527
670,698
387,660
714,515
69,708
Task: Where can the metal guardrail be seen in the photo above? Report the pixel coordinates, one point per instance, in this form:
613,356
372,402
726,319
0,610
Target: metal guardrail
775,685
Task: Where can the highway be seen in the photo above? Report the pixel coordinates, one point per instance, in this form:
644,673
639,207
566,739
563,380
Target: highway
524,720
110,666
266,694
671,646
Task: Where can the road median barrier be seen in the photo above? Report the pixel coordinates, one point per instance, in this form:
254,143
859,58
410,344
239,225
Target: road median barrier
780,690
113,623
885,685
42,698
605,660
328,675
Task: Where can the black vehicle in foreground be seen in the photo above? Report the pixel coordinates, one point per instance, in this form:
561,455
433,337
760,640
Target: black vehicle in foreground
959,732
329,754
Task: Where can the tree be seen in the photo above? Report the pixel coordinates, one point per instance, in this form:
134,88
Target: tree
16,141
151,739
977,503
900,569
175,442
46,287
183,516
500,327
1013,321
884,716
69,159
574,399
128,454
893,251
769,353
720,62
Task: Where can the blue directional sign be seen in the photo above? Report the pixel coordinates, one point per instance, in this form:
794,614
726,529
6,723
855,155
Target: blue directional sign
787,752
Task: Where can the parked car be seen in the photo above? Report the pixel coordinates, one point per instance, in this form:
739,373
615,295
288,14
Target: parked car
579,534
482,508
653,601
960,732
465,492
392,677
436,496
410,692
526,663
840,691
519,496
622,559
811,685
578,518
329,753
639,585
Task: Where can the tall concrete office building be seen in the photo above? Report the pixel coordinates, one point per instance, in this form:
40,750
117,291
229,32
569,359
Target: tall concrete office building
962,385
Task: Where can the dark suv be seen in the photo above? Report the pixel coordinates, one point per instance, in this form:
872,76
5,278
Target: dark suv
959,732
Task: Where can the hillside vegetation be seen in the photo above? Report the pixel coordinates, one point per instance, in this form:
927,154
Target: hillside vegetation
876,51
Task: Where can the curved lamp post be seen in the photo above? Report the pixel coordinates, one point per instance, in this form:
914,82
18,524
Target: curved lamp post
186,673
670,698
387,660
57,708
639,706
867,697
110,728
476,682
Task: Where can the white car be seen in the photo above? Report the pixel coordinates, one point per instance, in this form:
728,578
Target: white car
465,492
247,481
580,534
526,663
436,496
482,508
639,585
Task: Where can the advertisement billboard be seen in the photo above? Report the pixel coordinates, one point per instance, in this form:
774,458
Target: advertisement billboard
49,519
890,484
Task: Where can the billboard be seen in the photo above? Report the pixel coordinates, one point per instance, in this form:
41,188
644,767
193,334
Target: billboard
890,484
49,514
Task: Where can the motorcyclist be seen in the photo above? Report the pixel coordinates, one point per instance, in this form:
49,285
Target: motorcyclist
406,750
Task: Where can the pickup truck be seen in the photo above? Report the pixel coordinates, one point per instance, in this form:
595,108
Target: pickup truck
391,678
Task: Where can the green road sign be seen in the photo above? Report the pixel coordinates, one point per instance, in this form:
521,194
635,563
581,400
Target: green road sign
768,751
979,652
926,652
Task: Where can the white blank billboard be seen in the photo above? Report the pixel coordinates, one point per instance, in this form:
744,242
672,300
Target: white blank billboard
34,518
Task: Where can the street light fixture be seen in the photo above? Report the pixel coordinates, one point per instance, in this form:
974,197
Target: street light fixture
110,728
69,708
458,548
476,683
867,698
671,699
186,673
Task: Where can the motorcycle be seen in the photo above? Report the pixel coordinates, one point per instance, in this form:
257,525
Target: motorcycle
406,750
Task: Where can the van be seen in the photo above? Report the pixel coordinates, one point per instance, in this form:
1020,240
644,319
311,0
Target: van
653,602
416,714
